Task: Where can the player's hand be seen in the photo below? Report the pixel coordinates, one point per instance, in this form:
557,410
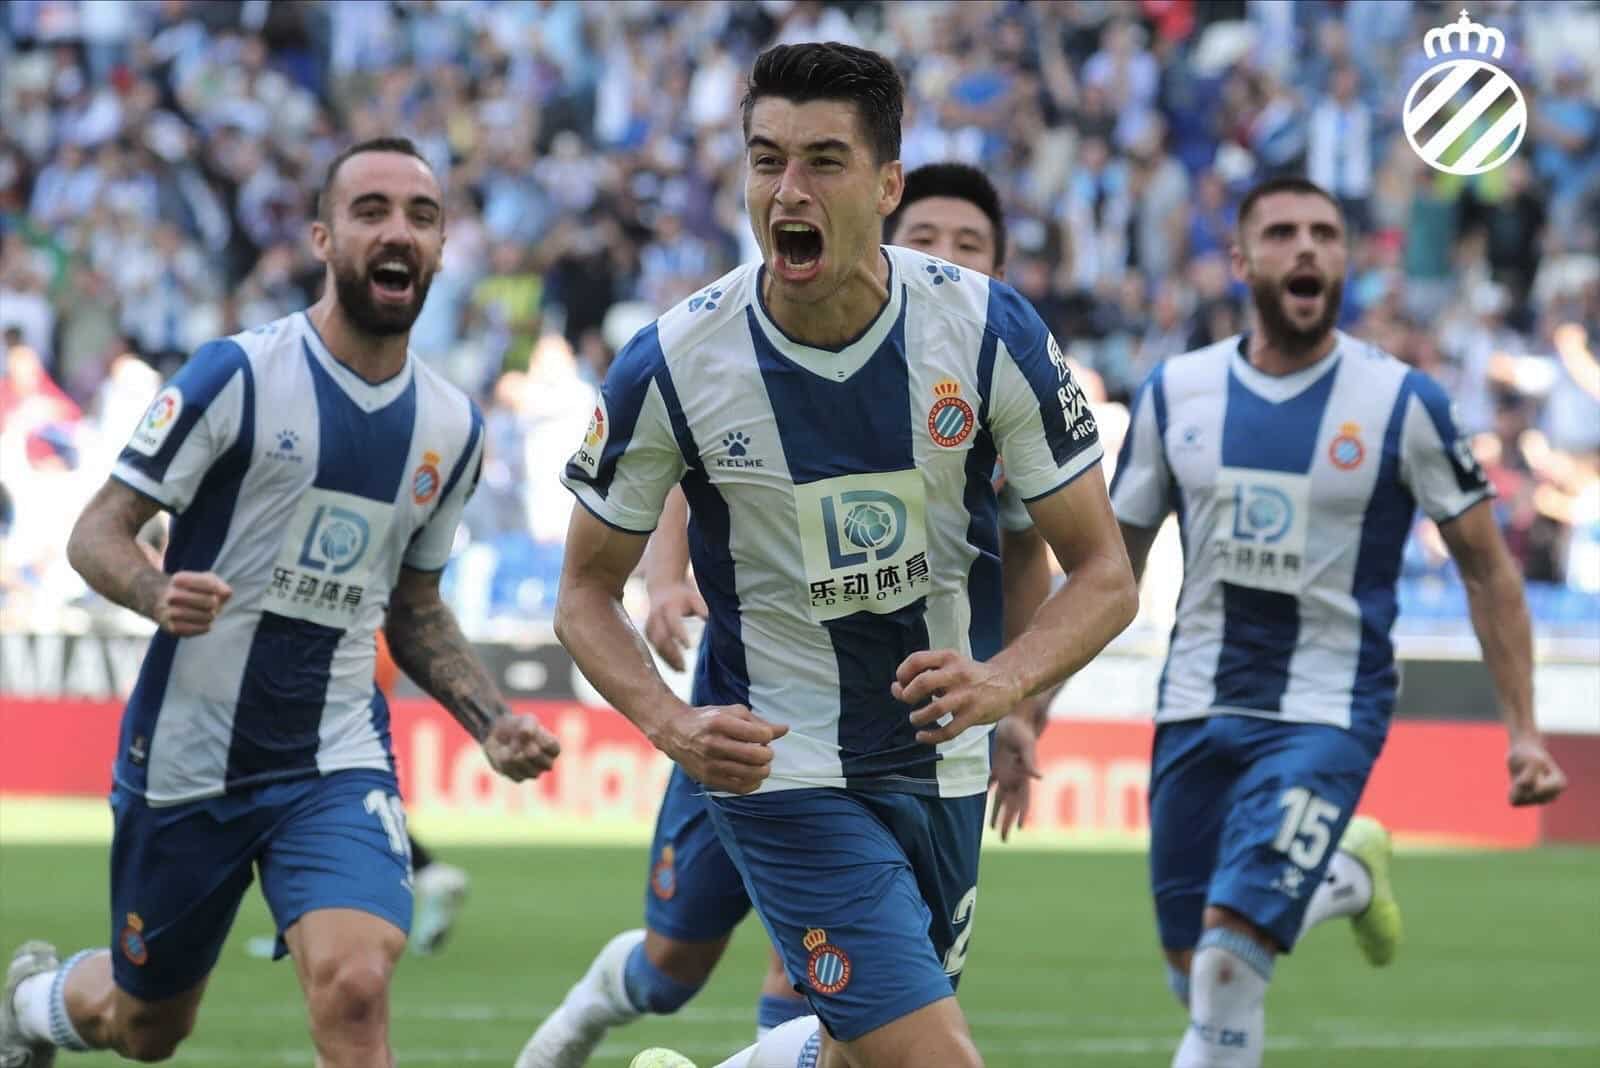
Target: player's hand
663,627
1012,769
1535,777
960,691
190,601
519,747
722,747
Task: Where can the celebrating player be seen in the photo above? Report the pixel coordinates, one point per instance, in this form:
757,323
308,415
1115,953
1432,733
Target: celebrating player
834,414
317,472
1295,457
694,897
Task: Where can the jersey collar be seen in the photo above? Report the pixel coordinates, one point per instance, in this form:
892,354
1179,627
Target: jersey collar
368,396
835,365
1279,388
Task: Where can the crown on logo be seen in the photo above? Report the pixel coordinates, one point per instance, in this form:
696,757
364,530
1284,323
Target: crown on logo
430,457
947,387
814,938
1436,42
1350,430
135,921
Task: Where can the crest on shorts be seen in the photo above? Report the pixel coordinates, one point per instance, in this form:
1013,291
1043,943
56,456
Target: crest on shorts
828,968
132,940
664,876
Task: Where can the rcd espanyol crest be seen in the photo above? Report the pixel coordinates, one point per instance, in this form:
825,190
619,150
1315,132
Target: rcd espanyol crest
1465,115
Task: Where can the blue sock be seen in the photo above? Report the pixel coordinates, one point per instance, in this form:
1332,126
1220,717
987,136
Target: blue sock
774,1009
650,989
1178,983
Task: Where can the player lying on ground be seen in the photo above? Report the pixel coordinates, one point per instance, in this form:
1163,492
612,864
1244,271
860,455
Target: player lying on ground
694,897
1295,457
317,472
834,414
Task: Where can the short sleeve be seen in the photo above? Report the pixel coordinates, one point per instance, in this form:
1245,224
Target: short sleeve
1013,514
191,423
1037,412
1141,490
1436,460
630,456
430,546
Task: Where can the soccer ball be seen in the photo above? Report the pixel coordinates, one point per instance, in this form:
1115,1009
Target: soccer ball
660,1058
868,526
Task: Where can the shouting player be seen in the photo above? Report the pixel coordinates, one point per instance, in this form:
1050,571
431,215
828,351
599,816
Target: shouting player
694,897
1295,457
834,414
317,472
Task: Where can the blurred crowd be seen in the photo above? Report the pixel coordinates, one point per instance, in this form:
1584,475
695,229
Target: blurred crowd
158,160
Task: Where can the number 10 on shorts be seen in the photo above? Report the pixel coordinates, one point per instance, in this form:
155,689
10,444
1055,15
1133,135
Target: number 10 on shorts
1307,830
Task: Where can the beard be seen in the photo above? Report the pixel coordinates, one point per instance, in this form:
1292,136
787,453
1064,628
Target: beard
1284,333
354,288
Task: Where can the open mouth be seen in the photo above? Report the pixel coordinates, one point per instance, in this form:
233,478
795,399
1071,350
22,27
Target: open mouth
392,277
1305,285
799,248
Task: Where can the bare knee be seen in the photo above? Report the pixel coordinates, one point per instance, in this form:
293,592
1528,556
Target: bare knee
1217,916
350,994
690,963
146,1034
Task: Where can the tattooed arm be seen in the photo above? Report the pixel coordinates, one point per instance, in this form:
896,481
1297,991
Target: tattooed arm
427,644
104,548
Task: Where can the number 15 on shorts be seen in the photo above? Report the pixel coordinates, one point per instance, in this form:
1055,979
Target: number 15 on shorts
1307,829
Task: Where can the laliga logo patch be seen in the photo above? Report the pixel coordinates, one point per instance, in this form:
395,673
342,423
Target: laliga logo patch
1346,450
132,940
950,420
158,421
1464,115
425,481
663,878
828,969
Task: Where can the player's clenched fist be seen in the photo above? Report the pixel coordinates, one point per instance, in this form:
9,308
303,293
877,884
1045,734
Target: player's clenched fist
960,692
722,747
1535,777
519,747
189,602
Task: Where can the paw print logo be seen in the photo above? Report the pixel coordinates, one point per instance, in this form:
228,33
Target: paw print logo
736,443
938,270
707,300
933,272
287,440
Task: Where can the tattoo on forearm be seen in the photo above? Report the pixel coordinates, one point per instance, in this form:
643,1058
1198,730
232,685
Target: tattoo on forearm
428,645
111,562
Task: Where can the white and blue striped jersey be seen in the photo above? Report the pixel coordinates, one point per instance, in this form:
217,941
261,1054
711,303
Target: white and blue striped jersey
305,488
1294,496
842,506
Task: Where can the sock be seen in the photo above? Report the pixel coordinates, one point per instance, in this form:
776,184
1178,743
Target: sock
420,856
41,1007
775,1009
1346,890
1178,983
1228,993
652,990
795,1044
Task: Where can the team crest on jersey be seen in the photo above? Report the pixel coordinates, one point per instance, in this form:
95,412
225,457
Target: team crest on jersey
950,420
1346,450
132,940
828,967
664,876
158,421
425,481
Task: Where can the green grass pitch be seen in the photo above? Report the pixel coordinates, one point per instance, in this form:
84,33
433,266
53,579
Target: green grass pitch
1499,968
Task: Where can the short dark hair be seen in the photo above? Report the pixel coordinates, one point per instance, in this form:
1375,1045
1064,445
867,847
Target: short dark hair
801,73
961,182
403,145
1288,183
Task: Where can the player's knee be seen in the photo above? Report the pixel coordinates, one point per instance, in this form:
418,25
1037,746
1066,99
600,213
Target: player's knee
351,993
663,975
150,1036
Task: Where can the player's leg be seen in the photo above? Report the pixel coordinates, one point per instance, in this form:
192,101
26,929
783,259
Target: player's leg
779,1002
336,873
1187,781
869,900
1287,810
693,901
1357,886
441,890
178,874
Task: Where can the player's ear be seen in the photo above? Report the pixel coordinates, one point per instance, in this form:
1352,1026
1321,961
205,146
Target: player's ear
1237,261
321,240
891,186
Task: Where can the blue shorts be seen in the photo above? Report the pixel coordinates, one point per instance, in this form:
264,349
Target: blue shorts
1245,813
694,893
178,872
868,897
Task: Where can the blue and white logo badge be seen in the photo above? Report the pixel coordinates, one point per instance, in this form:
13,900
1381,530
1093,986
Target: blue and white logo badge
865,542
1464,115
336,541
